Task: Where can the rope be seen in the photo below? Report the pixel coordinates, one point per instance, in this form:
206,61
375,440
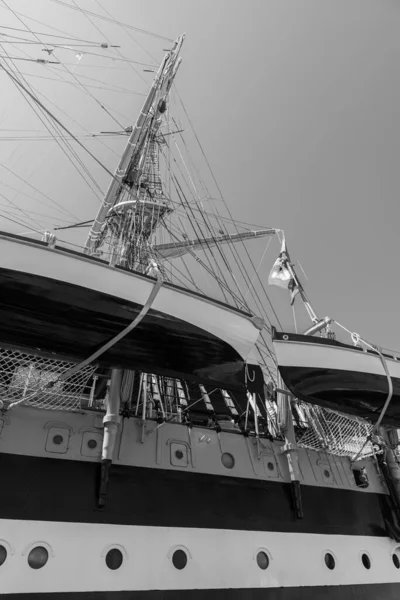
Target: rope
127,383
357,339
390,394
107,346
294,318
27,398
247,374
118,337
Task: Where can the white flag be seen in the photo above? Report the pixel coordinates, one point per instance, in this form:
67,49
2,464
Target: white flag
281,276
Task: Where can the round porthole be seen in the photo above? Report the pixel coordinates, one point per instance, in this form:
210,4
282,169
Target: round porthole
114,559
178,454
179,559
227,460
330,561
58,439
262,560
38,557
327,473
3,555
396,561
366,561
270,466
92,444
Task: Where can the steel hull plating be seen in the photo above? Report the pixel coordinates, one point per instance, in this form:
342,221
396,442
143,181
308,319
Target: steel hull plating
41,489
152,512
159,501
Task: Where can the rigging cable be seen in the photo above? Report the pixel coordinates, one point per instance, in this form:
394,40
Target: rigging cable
59,206
200,235
209,270
240,302
86,91
101,33
242,269
121,90
46,118
225,203
124,25
21,210
21,223
181,195
65,68
49,113
16,80
257,299
207,225
128,33
46,34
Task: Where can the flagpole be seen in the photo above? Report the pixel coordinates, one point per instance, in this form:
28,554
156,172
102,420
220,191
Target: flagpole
319,324
284,275
311,312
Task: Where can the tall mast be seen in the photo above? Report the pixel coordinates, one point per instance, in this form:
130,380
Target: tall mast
134,201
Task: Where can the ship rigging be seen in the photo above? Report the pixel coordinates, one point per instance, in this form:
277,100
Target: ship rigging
143,409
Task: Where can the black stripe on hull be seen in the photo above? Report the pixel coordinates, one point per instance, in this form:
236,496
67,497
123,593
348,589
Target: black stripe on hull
377,591
57,317
359,394
47,489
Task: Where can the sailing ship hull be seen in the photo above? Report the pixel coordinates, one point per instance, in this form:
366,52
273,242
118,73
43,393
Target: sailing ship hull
155,506
338,376
65,304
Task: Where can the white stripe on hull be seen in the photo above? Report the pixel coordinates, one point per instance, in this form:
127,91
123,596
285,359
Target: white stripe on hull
228,325
217,558
322,356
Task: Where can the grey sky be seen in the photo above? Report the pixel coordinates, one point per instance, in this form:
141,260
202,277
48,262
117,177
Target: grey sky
297,105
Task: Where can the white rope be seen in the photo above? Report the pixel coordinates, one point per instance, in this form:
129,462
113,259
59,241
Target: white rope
294,318
28,398
257,269
120,335
357,339
390,394
73,370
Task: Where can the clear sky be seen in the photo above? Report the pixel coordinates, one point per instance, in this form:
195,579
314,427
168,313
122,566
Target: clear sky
297,105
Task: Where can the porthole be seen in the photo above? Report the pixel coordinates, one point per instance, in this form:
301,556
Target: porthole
270,466
366,561
114,559
179,559
179,454
262,560
327,473
396,561
3,555
58,439
38,557
227,460
92,444
330,561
